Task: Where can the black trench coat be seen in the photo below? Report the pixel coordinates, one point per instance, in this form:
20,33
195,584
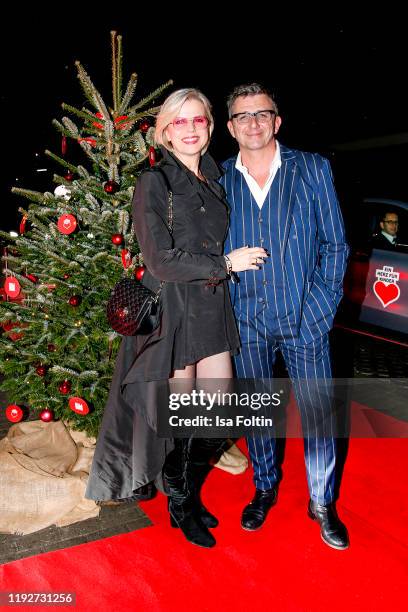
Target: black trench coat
197,320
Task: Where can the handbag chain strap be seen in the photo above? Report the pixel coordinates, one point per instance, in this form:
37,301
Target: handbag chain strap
169,217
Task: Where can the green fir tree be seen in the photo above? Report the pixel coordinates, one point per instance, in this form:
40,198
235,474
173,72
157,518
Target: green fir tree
56,342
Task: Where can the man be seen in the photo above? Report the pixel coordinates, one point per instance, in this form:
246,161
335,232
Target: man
284,200
387,239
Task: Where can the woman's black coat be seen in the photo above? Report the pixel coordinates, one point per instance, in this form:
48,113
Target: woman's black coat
129,452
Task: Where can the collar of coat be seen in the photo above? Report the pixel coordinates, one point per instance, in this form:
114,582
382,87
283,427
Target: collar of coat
208,166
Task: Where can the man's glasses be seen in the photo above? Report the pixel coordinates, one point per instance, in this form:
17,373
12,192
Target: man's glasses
262,116
181,123
391,222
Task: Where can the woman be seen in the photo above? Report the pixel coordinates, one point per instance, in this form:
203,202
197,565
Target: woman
197,334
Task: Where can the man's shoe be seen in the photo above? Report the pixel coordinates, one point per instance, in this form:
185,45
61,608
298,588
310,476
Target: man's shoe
255,513
332,530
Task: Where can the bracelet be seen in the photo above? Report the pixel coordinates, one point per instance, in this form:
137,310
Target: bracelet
228,263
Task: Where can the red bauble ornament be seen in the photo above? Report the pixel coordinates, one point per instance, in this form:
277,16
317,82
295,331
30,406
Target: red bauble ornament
41,370
12,287
74,300
32,277
152,156
14,413
67,224
69,176
46,415
78,405
144,125
63,145
140,270
117,238
65,387
111,187
126,258
90,141
51,348
66,276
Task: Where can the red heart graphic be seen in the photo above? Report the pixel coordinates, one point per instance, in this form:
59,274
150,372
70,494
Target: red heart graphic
386,292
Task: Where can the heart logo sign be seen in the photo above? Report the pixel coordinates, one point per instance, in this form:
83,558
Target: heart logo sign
387,294
385,287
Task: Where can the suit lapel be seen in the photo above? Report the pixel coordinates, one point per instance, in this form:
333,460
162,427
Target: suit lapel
287,177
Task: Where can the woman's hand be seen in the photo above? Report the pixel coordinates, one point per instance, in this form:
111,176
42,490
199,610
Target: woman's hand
247,258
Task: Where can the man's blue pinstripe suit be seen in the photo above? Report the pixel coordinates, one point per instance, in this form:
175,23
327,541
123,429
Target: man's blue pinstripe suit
290,303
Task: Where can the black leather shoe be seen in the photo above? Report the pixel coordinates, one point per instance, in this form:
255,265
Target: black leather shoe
255,513
332,530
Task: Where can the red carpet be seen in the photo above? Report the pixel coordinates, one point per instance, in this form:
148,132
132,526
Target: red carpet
285,566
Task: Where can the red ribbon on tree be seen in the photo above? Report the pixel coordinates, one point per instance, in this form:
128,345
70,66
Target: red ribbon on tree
64,145
152,156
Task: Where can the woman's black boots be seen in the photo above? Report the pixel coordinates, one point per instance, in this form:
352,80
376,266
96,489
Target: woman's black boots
184,472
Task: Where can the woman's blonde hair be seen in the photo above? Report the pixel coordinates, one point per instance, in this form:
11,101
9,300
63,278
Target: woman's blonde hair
171,108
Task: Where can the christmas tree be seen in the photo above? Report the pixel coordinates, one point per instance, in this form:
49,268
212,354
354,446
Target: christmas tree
57,351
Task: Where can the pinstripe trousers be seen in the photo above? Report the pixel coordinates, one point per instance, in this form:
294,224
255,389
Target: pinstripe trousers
305,363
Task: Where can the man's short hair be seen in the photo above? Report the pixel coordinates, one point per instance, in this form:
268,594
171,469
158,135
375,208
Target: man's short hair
250,89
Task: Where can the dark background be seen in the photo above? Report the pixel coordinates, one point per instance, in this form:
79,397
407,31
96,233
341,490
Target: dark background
339,81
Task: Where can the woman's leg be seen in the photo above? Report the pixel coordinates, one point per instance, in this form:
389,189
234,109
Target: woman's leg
214,374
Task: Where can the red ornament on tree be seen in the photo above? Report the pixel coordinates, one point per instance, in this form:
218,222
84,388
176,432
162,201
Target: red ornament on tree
46,415
90,141
121,123
12,287
152,156
67,224
140,270
111,187
63,145
51,348
66,275
99,126
32,277
69,176
78,405
41,370
14,413
65,387
144,125
23,223
74,300
117,238
126,258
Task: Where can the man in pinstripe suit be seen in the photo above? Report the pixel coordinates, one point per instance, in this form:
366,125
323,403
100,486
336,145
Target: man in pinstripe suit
284,201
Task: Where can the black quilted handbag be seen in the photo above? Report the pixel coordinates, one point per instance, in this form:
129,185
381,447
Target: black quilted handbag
133,308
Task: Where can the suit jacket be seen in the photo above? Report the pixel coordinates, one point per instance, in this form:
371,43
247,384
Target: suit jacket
313,250
379,241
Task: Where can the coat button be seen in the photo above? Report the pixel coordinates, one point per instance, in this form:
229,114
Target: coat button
202,209
204,244
218,243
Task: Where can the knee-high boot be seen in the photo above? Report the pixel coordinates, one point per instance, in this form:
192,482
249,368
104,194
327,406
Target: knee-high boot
179,476
204,453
